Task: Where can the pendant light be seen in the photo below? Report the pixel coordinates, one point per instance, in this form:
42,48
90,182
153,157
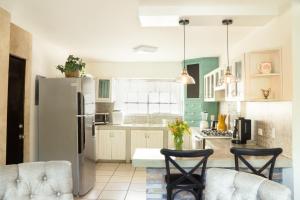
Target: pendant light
184,77
228,76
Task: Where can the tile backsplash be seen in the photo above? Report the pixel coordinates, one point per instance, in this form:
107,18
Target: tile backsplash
271,117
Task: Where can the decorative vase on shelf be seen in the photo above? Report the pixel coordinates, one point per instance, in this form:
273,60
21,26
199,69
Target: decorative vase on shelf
221,123
266,93
178,129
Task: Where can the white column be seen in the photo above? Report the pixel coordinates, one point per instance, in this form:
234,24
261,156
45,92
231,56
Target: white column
296,98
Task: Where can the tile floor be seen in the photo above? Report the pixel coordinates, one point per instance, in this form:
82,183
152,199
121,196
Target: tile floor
118,181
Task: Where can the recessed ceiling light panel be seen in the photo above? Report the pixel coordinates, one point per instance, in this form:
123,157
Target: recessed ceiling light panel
144,49
159,21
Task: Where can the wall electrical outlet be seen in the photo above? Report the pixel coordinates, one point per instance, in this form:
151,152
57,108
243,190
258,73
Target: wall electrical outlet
273,132
260,132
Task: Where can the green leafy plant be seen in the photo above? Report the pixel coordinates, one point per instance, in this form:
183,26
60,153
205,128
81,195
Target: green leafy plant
178,128
72,64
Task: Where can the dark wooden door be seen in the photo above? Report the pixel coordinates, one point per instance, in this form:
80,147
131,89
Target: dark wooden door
15,111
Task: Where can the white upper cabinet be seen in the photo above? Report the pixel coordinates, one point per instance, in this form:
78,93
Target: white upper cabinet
214,90
104,90
235,90
253,72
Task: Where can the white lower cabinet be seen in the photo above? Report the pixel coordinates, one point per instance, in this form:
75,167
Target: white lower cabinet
186,141
146,139
111,144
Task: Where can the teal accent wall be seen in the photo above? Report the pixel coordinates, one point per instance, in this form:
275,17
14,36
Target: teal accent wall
194,106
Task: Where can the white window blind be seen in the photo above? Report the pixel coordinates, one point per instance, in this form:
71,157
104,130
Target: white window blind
148,96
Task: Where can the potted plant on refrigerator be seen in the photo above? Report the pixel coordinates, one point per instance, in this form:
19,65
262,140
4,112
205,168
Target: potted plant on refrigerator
73,67
178,129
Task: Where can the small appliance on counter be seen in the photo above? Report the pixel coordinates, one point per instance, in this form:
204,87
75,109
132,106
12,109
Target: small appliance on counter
213,123
101,118
242,131
204,122
117,117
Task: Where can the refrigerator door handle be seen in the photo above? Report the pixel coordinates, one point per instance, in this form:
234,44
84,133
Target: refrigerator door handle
80,124
83,120
93,130
83,131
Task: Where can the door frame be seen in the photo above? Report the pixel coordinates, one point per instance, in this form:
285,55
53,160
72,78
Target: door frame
21,47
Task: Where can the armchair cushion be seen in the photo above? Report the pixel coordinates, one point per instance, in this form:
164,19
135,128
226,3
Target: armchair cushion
225,184
38,181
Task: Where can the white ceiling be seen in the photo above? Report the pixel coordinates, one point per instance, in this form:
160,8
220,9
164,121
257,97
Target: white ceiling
108,30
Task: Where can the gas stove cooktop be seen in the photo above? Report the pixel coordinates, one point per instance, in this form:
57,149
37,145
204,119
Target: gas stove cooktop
216,133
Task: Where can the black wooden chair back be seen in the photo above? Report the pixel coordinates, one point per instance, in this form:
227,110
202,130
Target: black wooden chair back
186,180
239,154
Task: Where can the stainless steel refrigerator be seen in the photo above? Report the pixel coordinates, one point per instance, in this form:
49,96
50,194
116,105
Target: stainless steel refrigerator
66,111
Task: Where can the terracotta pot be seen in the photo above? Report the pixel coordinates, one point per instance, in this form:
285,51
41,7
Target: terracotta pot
73,74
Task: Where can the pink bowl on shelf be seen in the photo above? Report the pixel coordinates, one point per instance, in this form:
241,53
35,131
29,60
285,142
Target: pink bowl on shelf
265,67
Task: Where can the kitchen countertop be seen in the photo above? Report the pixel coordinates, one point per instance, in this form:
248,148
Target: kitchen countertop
151,158
132,126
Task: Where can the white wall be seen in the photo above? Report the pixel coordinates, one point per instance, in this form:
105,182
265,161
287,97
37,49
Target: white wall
296,99
162,70
45,57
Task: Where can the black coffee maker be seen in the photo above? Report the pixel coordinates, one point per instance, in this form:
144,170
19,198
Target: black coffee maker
242,131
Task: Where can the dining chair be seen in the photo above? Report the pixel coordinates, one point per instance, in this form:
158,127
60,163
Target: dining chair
186,180
240,153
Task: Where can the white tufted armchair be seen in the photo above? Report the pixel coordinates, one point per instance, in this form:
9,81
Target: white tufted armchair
225,184
36,181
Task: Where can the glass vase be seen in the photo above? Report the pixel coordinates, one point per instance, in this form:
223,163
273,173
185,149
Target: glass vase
178,142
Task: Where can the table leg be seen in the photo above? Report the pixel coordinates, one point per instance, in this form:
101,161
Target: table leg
203,143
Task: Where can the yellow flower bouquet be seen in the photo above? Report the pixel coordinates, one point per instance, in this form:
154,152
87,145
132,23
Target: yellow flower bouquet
178,129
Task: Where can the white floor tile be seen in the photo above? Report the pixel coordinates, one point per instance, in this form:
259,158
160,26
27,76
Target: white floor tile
140,174
140,169
93,194
117,186
123,173
104,172
110,164
120,179
102,179
113,195
133,195
99,186
107,168
138,179
125,167
139,187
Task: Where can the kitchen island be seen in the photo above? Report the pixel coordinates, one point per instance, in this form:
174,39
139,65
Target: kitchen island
154,162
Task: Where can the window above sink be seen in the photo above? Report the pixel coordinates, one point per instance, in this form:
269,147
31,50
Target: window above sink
148,96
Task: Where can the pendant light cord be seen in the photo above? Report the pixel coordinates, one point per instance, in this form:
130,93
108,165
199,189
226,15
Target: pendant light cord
227,46
184,45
